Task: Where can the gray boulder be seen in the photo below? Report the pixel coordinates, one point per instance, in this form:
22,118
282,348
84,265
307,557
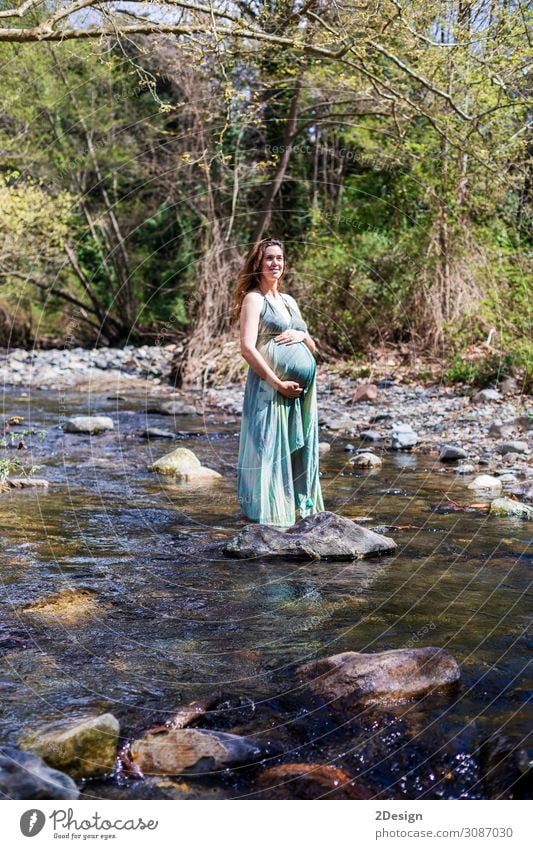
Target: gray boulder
452,452
514,447
383,677
403,436
24,775
370,436
321,536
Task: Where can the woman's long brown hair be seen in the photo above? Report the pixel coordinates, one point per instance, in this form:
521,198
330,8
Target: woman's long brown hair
250,274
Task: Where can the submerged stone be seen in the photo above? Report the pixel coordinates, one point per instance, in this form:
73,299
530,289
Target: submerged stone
383,677
310,781
323,535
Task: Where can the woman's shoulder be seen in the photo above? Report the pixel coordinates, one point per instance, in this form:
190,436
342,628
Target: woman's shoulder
254,296
253,302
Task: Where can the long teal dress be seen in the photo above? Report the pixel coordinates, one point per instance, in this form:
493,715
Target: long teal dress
277,469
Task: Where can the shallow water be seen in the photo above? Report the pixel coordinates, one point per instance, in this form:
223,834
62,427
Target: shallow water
158,620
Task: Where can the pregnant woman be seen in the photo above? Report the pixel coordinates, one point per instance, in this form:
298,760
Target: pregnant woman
277,470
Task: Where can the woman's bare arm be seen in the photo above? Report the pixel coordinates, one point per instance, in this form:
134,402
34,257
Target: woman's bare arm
249,328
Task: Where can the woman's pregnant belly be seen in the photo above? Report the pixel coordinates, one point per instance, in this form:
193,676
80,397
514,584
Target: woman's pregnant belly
290,362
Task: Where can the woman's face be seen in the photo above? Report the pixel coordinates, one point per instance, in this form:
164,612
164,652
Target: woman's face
272,264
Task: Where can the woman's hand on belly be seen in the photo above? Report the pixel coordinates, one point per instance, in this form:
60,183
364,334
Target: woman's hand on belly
289,388
290,337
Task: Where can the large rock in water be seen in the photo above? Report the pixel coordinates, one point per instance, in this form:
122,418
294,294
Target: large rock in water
323,535
24,775
191,750
383,677
83,748
88,424
185,465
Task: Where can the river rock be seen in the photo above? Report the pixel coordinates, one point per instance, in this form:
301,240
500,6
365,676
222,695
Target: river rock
513,447
383,677
486,395
524,492
464,469
509,507
172,408
157,433
323,448
310,781
88,424
486,482
27,483
370,436
82,748
403,436
366,460
452,452
508,386
24,775
500,430
321,536
185,465
365,392
507,477
191,750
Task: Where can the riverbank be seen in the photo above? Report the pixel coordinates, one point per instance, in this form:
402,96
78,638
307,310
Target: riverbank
491,428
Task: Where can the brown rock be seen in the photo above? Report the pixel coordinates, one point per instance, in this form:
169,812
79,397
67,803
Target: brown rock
310,781
383,677
191,750
365,392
